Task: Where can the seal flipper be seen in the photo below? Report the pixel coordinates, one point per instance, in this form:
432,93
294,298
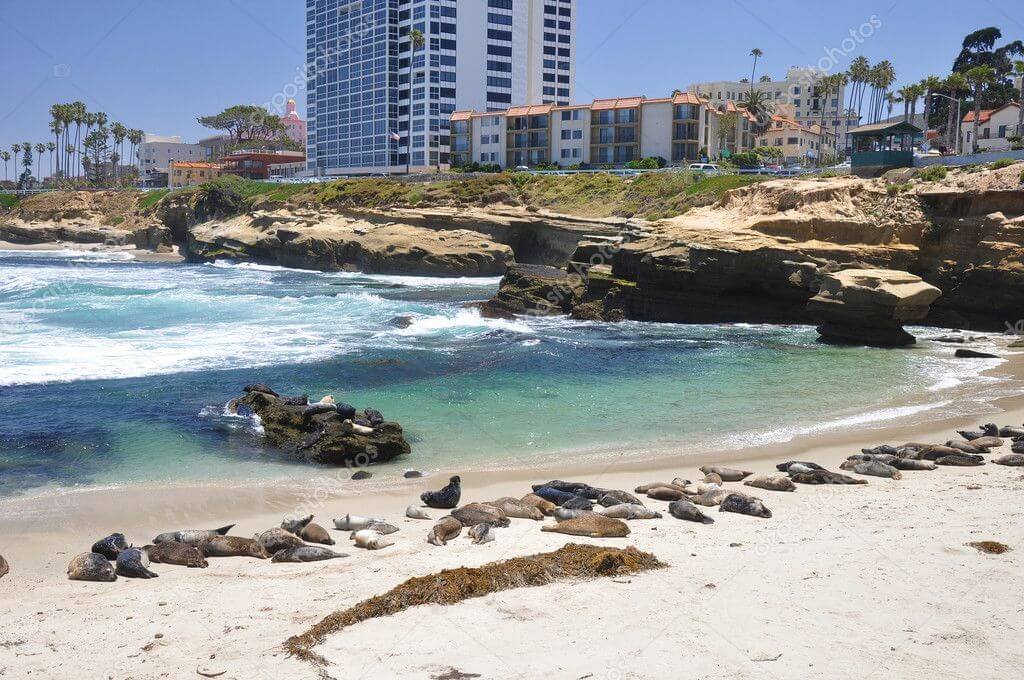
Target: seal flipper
223,531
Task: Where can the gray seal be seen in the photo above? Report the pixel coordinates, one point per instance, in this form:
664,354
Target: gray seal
1011,459
771,483
111,546
482,533
614,497
275,540
476,513
824,477
192,536
744,505
629,511
911,464
872,468
688,511
961,461
784,467
134,563
91,566
295,525
563,514
416,512
306,553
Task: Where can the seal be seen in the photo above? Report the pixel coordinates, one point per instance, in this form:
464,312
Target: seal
481,533
688,511
873,457
416,512
960,461
232,546
666,493
172,552
744,505
371,540
354,522
111,546
513,507
553,495
192,536
1018,446
306,553
911,464
615,497
578,503
547,507
881,450
360,475
476,513
314,533
987,430
712,478
644,488
590,524
875,469
629,511
784,467
986,443
91,566
771,483
274,540
562,514
936,451
1011,459
710,499
4,567
358,428
375,417
317,410
295,525
966,447
260,387
824,477
445,499
444,530
575,488
1010,432
412,474
382,528
134,563
727,474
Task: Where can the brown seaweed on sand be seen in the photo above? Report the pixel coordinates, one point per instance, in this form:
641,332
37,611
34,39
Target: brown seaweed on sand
571,561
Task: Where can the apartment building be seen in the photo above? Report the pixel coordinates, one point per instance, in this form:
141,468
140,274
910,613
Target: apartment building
798,90
156,153
186,174
613,132
799,143
995,126
377,105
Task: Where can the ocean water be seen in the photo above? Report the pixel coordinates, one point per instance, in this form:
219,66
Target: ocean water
117,372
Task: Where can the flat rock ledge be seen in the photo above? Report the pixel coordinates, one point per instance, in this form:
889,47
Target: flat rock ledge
324,433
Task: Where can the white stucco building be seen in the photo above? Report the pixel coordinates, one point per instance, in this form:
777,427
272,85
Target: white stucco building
994,127
156,153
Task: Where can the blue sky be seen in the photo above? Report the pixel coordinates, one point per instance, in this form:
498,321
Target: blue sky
157,64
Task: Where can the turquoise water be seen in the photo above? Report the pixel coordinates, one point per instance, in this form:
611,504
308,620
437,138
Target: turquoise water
113,372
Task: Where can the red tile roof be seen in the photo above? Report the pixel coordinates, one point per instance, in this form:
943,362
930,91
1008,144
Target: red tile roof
986,114
462,115
623,103
535,110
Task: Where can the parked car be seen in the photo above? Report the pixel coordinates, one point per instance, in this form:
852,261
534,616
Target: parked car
757,171
790,172
522,168
845,165
706,168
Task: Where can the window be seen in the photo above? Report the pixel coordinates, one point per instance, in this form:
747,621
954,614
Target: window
1002,131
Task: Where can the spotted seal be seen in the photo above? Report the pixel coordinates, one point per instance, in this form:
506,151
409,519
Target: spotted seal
744,505
960,461
784,467
134,563
710,499
172,552
295,525
444,530
688,511
590,524
354,522
771,483
382,528
562,514
515,508
314,533
232,546
615,497
872,468
1011,459
666,493
481,533
912,464
111,546
445,499
824,477
306,553
476,513
274,540
987,430
416,512
192,536
91,566
371,540
629,511
547,507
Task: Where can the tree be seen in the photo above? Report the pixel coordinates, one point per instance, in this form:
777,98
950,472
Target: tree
119,132
416,42
978,49
135,137
978,78
727,122
765,79
40,150
955,84
929,84
78,117
248,126
1018,70
97,155
57,127
5,156
51,147
16,149
759,105
756,54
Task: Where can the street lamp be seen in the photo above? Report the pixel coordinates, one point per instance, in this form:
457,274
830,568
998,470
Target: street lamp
959,120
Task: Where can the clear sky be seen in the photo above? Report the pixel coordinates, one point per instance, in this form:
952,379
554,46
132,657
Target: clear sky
157,64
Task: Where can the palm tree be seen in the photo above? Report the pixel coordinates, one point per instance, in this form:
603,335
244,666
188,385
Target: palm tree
78,117
26,156
5,156
955,84
1018,70
929,84
40,150
136,137
891,99
756,53
904,96
16,149
119,132
51,147
416,42
886,77
759,105
56,127
978,78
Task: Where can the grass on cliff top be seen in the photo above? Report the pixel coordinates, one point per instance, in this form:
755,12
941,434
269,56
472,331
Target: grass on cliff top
9,200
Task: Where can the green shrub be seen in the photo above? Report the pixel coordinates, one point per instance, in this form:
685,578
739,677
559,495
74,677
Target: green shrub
933,173
9,200
747,159
896,189
1003,163
223,197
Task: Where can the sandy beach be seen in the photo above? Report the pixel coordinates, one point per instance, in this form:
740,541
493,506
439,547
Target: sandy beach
842,582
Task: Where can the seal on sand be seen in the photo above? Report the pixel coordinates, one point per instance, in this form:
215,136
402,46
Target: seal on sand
416,512
314,533
710,499
445,499
553,495
784,467
274,540
744,505
172,552
382,528
987,442
371,540
547,507
911,464
192,536
476,513
444,530
575,488
614,497
629,511
295,524
688,511
111,546
666,493
354,522
306,553
987,430
232,546
1012,459
91,566
513,507
562,514
4,568
872,468
578,503
134,563
590,524
824,477
482,533
644,488
960,461
771,483
727,474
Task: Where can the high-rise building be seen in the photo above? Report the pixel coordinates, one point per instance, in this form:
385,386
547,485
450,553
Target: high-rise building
375,104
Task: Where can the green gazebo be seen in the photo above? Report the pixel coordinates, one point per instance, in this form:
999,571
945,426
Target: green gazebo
882,146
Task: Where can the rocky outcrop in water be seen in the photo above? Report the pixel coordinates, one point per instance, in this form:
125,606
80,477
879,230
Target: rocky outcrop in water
328,433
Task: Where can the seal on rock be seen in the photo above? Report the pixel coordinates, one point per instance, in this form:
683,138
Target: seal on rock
590,524
172,552
784,467
134,563
371,540
91,566
546,507
771,483
445,499
444,530
1011,459
192,536
688,511
744,505
111,546
482,533
416,512
354,522
629,511
295,525
824,477
314,533
306,553
513,507
476,513
727,474
260,387
232,546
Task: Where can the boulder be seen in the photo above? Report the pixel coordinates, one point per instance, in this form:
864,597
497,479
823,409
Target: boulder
535,290
870,306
